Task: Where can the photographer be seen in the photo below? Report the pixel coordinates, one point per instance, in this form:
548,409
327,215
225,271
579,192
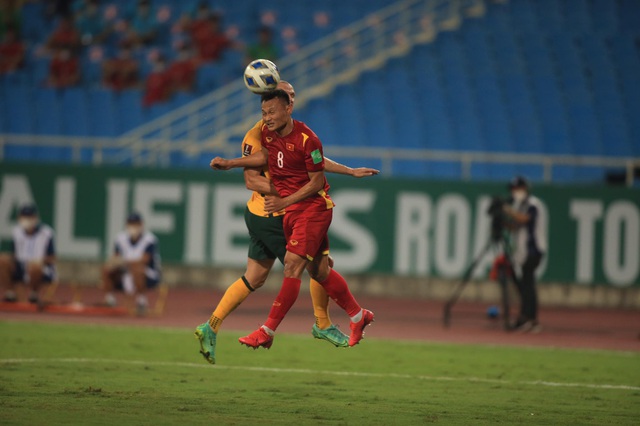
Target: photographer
526,221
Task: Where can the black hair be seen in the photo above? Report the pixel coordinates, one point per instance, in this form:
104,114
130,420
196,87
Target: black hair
276,93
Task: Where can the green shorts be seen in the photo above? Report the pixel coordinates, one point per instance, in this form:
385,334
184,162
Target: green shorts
267,237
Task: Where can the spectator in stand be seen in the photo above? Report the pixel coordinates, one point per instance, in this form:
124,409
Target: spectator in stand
143,27
121,72
11,52
158,87
92,27
65,36
183,70
9,17
210,41
265,48
199,18
64,70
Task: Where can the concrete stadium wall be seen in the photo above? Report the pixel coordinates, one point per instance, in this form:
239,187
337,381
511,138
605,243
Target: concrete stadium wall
87,273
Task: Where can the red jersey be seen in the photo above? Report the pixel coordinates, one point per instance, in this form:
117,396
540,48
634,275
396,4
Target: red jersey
291,158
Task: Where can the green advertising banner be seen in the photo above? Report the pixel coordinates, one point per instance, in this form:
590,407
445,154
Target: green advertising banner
380,225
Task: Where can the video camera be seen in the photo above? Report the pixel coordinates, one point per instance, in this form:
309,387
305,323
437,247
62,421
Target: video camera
498,216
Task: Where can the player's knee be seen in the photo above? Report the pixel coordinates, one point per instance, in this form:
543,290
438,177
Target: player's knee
255,280
294,266
320,268
319,272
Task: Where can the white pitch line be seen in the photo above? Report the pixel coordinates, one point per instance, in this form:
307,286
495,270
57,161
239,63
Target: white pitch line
317,372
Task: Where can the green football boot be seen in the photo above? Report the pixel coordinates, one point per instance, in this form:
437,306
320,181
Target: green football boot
207,339
332,335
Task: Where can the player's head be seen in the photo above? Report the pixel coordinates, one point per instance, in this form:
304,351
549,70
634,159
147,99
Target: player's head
28,218
519,187
287,87
276,109
134,225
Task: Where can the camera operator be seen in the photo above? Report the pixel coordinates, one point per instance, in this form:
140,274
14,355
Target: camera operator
526,221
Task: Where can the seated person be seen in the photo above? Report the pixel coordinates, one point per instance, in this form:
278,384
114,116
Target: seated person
134,266
210,41
183,70
158,87
264,48
64,70
143,27
12,52
91,26
65,36
32,256
121,72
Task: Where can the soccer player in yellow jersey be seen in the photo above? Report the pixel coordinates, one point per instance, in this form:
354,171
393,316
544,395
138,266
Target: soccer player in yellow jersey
267,244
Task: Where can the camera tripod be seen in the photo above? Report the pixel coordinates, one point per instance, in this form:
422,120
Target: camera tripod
495,243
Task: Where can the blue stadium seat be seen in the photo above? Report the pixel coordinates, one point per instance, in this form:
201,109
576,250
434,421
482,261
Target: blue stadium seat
550,17
604,15
102,113
347,118
523,16
576,16
48,112
209,77
3,107
75,112
129,109
629,14
20,116
39,71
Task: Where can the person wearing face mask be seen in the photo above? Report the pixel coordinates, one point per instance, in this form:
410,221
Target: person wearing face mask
32,256
134,266
527,222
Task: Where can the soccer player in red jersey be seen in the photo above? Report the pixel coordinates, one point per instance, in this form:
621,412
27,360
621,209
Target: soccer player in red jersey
295,158
267,242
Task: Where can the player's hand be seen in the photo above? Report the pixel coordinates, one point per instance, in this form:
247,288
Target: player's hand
274,204
364,172
219,163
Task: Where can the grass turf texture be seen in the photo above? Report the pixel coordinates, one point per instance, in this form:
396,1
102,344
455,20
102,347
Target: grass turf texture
70,374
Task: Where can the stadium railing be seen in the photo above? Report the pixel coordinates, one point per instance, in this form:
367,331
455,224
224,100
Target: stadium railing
96,151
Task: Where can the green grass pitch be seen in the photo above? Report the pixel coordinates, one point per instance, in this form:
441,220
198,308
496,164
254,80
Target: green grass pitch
58,374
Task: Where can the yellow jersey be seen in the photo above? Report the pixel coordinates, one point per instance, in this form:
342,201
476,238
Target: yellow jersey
250,145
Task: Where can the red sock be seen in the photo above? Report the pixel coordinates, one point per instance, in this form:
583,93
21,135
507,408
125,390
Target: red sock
337,288
284,301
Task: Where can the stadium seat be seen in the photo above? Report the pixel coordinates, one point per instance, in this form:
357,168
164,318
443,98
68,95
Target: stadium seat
129,109
209,76
48,112
19,102
102,113
75,112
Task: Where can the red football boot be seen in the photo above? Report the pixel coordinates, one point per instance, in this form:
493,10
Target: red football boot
357,328
257,338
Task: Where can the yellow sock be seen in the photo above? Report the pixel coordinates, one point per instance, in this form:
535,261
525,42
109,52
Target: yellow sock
232,298
320,300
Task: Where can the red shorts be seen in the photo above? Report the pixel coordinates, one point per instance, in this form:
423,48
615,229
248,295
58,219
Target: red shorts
306,232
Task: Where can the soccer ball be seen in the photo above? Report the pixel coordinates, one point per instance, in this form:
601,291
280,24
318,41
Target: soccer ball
261,76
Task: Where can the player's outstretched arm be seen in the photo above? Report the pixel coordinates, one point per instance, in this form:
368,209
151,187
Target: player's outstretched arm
256,160
331,166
